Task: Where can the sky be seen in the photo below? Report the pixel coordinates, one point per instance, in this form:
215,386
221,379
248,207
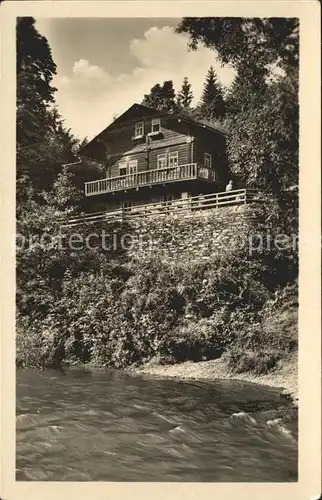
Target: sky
106,65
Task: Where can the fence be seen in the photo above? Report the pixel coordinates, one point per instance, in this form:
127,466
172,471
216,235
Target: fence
201,202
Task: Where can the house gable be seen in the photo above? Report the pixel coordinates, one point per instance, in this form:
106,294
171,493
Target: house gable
134,114
119,136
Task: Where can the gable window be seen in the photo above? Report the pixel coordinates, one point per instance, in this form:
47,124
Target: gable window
132,167
162,161
208,160
122,168
139,129
173,159
156,126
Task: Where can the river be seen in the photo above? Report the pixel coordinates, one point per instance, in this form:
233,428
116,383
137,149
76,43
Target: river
114,426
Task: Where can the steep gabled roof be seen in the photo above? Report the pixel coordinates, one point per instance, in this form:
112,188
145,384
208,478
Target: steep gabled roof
206,126
139,111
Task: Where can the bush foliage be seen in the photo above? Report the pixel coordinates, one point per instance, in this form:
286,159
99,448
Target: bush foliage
92,306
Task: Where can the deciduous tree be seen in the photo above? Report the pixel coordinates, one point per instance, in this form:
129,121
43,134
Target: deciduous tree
43,143
161,97
263,100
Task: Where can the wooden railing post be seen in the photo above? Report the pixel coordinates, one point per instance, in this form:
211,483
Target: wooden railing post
209,201
136,179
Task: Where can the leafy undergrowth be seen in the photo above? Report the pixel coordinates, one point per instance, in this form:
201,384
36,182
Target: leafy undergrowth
263,346
90,308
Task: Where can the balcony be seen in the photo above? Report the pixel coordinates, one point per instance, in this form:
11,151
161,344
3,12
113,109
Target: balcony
150,177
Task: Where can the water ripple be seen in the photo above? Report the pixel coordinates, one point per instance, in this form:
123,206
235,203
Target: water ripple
110,426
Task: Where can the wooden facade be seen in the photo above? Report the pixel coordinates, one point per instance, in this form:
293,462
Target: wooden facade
152,156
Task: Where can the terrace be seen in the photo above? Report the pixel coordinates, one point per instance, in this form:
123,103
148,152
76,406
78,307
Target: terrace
179,206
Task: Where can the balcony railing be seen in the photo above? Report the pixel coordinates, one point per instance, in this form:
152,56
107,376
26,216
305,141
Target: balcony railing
186,205
149,177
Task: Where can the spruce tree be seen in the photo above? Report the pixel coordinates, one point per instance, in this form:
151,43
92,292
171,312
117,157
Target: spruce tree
185,95
212,99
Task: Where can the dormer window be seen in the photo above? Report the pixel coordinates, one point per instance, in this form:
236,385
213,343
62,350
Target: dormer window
156,126
139,130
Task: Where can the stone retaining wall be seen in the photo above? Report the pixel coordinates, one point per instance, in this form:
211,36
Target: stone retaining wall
194,236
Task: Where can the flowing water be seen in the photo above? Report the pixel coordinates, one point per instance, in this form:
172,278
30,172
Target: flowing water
113,426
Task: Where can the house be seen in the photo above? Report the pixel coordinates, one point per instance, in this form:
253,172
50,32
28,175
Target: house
151,157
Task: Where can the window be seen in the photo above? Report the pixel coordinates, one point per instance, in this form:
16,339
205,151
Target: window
173,159
162,161
126,205
156,126
139,129
132,167
208,160
167,198
122,168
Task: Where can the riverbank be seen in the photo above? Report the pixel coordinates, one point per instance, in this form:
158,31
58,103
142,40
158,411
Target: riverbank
284,377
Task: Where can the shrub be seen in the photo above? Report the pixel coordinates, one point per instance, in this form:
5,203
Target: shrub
196,340
262,345
91,307
37,346
259,361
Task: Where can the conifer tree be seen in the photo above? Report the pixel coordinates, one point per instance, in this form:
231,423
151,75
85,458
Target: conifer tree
185,95
212,100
